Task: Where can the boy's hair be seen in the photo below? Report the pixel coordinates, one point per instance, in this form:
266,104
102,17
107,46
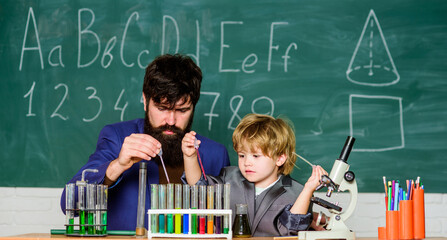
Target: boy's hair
172,78
274,137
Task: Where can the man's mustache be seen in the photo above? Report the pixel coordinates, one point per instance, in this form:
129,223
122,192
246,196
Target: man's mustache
171,128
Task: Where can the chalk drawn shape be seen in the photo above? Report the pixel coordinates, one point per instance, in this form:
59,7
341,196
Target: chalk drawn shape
372,64
376,122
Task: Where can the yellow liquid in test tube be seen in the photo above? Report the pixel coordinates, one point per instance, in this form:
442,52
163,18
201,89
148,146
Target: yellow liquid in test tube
178,205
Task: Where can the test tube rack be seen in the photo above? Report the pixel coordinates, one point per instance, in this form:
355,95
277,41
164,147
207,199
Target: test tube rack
87,230
190,212
91,208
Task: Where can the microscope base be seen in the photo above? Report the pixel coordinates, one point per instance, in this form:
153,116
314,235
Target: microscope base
330,234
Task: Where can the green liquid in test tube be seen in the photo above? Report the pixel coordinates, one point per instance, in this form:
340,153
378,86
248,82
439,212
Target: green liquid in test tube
226,222
101,209
69,207
194,205
91,199
178,205
81,203
104,222
170,205
104,212
82,222
161,205
154,205
91,221
82,199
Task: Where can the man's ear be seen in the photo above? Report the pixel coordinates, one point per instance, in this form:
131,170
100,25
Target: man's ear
144,102
281,160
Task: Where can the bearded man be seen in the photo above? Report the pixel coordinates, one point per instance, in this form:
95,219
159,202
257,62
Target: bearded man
171,91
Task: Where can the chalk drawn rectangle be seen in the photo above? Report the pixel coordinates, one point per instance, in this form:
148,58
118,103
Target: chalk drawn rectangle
376,122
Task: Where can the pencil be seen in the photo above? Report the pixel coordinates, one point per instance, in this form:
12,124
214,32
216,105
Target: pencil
384,185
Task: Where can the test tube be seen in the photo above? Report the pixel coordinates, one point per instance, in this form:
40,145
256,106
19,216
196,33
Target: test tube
186,195
81,207
105,192
210,205
218,200
69,207
98,207
91,199
140,230
161,205
226,200
154,205
178,205
170,205
202,205
194,205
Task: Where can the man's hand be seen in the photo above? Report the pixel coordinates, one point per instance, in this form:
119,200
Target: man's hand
135,148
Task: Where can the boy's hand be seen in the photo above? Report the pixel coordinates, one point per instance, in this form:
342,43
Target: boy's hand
188,144
314,180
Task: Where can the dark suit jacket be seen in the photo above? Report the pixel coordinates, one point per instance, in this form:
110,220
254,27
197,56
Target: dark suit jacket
268,214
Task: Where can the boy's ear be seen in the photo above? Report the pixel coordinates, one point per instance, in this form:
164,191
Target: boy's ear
281,160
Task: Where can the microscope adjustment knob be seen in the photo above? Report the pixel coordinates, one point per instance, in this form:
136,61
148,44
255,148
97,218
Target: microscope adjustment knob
349,176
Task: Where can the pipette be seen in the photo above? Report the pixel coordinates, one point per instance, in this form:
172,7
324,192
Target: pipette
196,146
303,159
160,154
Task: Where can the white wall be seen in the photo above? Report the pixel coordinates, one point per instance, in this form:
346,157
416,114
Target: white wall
37,210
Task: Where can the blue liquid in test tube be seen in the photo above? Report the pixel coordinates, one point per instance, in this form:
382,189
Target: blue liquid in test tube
186,194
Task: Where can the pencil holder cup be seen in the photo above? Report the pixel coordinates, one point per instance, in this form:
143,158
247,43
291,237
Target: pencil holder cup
392,224
418,214
406,219
382,232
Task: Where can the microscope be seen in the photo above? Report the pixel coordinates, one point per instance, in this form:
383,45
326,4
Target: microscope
340,179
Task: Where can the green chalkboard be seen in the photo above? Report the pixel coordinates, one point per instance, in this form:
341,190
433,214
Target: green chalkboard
374,70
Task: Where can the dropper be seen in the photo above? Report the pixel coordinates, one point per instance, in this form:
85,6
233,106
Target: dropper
163,164
303,159
196,146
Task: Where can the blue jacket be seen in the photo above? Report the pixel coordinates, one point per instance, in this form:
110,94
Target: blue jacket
123,195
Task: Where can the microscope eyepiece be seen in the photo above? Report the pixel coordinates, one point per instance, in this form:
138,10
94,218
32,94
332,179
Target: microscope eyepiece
346,149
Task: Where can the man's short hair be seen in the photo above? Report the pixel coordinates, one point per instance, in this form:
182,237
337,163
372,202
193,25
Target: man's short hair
170,78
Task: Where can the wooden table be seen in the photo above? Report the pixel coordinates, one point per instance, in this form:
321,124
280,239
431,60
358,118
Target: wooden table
45,236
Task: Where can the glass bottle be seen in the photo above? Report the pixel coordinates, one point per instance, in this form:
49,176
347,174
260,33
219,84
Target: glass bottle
241,225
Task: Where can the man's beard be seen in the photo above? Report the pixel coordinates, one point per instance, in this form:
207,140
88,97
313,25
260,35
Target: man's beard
171,144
